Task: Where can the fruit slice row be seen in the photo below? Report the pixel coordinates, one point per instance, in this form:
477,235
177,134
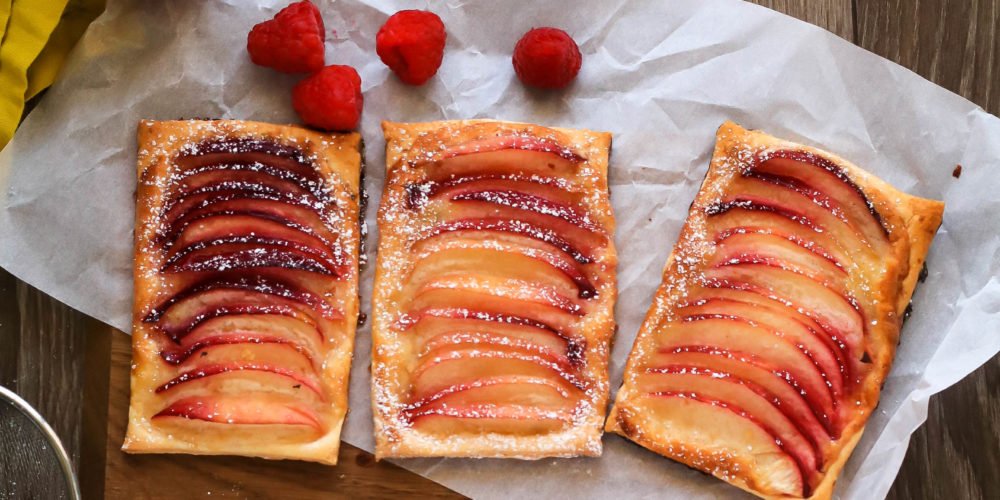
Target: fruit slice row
249,239
503,272
770,340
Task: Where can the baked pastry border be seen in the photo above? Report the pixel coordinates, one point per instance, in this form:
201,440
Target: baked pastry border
912,222
338,160
394,440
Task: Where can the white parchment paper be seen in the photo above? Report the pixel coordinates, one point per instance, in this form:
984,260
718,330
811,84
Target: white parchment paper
660,75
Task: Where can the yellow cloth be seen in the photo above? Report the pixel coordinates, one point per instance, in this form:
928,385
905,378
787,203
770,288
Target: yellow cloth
28,29
4,15
74,21
36,37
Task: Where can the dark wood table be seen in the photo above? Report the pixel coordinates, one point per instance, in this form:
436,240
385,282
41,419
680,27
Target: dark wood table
59,359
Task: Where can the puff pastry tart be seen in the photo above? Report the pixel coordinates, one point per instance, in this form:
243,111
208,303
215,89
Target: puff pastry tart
766,346
246,289
494,291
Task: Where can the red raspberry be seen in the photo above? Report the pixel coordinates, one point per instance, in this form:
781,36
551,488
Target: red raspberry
330,99
546,58
411,44
292,42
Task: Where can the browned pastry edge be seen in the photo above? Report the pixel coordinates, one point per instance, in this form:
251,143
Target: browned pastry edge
912,222
337,156
409,141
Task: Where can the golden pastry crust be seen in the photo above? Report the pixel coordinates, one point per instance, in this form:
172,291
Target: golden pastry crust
411,152
336,160
910,223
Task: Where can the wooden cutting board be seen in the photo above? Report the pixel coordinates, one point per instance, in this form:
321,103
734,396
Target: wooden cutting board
357,474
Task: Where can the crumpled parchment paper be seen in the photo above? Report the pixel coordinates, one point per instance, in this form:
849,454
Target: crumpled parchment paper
660,75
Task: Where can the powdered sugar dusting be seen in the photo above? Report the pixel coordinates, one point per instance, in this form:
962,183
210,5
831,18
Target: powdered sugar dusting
812,251
246,288
504,193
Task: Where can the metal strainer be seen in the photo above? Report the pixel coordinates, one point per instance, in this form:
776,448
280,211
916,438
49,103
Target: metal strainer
33,462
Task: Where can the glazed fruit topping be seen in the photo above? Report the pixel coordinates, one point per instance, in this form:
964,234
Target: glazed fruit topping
242,410
771,337
252,264
504,270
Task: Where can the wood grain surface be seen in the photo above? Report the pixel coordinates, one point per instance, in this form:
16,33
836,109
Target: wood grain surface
835,16
955,44
59,360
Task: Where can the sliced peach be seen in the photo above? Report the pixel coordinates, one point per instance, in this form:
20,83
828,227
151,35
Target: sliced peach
226,147
812,205
752,399
177,328
278,180
513,142
713,426
253,367
540,305
179,355
227,329
781,392
815,344
511,244
551,189
247,197
749,343
572,214
487,418
750,218
331,288
501,337
487,339
430,324
852,366
512,154
416,316
321,220
290,161
242,213
454,367
822,175
583,255
489,262
268,375
249,252
180,317
443,345
309,181
776,251
242,410
515,245
227,225
842,242
504,288
575,235
253,284
833,310
501,391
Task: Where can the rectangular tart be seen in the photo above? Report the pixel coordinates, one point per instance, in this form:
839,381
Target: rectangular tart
765,348
494,291
246,289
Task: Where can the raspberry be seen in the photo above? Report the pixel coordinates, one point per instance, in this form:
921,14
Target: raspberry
411,44
292,42
547,58
329,99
